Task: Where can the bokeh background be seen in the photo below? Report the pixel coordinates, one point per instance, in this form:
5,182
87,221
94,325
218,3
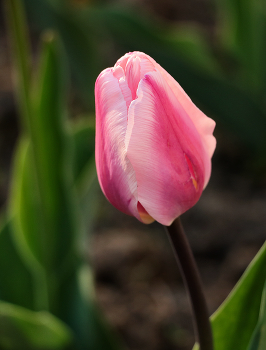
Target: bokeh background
216,50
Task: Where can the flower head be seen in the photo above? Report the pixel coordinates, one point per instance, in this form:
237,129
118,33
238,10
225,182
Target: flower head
153,145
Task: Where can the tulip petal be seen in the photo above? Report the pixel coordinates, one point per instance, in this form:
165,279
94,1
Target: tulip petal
115,172
165,150
137,66
204,124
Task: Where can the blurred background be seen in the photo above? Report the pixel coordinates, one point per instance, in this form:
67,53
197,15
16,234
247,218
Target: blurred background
216,50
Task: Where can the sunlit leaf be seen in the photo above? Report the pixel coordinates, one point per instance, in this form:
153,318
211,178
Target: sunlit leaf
235,320
258,341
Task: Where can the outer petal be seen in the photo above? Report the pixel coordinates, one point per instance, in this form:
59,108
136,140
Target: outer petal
166,151
203,124
115,173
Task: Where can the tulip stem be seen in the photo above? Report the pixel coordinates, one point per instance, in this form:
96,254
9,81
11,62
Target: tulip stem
191,278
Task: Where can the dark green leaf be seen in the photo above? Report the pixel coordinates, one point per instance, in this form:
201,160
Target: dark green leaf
79,42
86,182
234,322
51,157
83,134
190,44
258,341
242,27
93,331
42,202
27,330
13,271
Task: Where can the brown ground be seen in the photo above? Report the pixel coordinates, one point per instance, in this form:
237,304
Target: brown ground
138,283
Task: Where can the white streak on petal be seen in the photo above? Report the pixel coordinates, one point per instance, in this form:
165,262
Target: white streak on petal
115,172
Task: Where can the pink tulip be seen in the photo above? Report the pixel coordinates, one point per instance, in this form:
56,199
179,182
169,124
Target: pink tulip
153,145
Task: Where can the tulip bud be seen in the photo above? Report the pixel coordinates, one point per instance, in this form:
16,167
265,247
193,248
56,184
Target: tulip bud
153,145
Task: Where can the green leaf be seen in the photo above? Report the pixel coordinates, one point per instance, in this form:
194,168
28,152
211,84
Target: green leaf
42,205
258,341
27,330
83,316
98,334
79,42
234,322
190,44
13,271
46,170
18,34
86,182
242,26
83,134
27,221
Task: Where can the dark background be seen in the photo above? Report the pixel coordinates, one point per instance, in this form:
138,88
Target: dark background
138,284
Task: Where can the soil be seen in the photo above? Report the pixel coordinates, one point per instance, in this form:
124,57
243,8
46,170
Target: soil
138,283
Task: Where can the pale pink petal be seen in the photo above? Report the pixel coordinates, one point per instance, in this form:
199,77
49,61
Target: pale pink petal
137,66
204,124
123,60
132,73
165,150
116,175
119,74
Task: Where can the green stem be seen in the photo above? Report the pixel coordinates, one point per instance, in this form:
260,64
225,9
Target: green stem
193,284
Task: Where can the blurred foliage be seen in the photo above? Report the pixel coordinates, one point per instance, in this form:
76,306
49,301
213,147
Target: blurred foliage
28,330
52,176
226,80
54,191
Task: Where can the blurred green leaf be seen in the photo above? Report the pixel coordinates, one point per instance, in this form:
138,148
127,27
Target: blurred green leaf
190,44
42,203
79,42
231,106
98,334
234,322
27,221
181,53
83,134
52,156
13,271
27,330
19,39
25,210
258,341
86,182
242,29
83,316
